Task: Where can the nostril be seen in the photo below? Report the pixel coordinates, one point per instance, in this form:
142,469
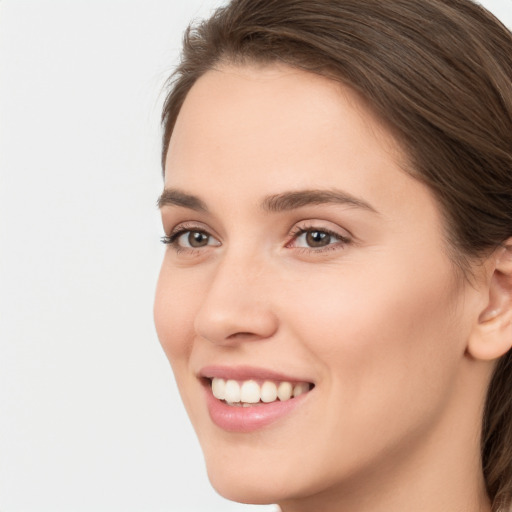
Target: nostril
242,336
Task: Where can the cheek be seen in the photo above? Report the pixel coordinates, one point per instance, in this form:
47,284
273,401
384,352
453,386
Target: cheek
384,340
174,312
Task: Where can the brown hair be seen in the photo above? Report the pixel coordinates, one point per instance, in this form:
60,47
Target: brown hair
439,73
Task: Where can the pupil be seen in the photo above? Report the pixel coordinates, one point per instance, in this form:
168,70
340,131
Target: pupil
197,239
317,239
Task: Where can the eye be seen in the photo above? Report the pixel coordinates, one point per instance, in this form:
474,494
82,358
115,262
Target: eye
188,239
193,239
317,239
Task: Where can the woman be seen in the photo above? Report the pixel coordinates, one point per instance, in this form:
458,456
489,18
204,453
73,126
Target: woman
336,295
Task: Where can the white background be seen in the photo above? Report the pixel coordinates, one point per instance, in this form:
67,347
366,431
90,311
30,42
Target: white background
90,419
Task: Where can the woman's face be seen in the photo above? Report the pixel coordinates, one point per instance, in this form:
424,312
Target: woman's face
301,253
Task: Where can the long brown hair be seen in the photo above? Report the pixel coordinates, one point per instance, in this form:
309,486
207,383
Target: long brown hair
439,74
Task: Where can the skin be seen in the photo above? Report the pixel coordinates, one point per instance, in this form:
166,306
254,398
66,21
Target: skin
379,319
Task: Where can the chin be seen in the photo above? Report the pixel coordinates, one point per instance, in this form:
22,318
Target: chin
255,476
249,494
257,482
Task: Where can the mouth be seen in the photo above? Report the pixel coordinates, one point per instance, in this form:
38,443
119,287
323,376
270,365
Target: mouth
247,399
253,392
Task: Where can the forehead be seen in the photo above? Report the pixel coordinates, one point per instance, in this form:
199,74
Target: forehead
255,121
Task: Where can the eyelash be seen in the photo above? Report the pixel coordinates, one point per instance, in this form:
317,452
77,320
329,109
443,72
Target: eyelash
173,237
299,231
176,233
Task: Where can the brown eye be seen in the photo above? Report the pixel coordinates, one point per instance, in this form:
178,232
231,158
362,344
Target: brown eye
197,239
190,239
317,238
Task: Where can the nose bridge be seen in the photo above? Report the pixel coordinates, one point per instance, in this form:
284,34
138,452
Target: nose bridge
237,303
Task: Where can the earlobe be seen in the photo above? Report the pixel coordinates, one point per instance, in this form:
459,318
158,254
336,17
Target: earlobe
491,337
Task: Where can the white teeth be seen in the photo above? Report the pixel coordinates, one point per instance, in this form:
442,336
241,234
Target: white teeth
284,391
232,391
249,392
298,389
268,392
219,388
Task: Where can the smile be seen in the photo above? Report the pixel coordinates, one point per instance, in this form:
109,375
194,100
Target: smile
239,400
249,393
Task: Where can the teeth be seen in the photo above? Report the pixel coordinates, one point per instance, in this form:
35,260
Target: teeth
232,391
298,389
284,391
268,392
219,388
250,392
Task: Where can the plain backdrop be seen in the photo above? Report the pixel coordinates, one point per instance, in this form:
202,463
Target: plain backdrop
90,419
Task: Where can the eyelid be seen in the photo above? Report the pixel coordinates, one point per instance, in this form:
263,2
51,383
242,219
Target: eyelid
184,227
321,225
342,239
342,236
190,226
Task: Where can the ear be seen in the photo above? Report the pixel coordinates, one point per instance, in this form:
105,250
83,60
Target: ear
491,337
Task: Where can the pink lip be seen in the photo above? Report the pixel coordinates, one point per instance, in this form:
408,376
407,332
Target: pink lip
247,419
245,373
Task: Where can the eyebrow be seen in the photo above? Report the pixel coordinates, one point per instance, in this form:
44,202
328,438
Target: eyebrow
293,200
284,201
176,197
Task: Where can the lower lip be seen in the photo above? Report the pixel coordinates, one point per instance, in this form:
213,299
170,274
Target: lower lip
248,419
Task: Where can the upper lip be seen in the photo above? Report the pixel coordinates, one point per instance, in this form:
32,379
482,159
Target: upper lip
242,373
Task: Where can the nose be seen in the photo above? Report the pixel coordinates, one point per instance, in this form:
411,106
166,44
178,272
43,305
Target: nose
237,305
